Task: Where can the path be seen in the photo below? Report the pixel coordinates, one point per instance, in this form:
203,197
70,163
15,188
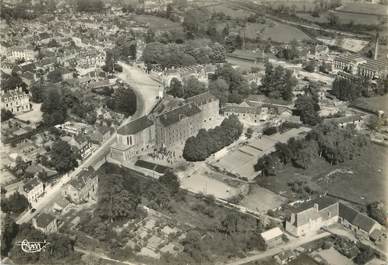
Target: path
271,252
103,256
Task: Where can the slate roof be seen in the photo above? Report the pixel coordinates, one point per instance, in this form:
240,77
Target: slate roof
82,179
322,203
174,116
356,218
241,109
201,99
44,219
135,126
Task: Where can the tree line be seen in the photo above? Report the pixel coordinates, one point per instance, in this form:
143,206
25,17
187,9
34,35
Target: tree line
207,142
327,140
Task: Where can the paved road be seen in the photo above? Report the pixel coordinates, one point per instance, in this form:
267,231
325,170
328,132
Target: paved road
271,252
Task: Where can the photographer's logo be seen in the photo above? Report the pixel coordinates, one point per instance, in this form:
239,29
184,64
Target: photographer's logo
32,247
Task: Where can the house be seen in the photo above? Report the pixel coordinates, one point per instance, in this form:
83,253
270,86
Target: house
32,190
72,128
272,237
83,187
245,112
100,134
45,222
311,216
60,203
81,143
354,120
15,101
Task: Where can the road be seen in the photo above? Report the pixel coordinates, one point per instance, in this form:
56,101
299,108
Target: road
146,91
293,244
103,256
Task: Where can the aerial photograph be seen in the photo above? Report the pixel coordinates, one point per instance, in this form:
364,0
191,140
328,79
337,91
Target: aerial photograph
194,132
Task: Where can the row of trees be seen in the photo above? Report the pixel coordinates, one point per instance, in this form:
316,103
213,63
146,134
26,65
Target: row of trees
334,144
191,87
277,83
190,53
200,147
123,101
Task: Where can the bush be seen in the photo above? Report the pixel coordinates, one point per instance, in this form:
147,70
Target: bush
270,130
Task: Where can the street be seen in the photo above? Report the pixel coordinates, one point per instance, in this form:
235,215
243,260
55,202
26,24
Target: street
293,244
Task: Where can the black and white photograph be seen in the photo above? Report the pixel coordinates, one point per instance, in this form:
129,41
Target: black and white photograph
194,132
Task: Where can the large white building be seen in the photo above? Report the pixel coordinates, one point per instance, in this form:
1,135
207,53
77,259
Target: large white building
15,101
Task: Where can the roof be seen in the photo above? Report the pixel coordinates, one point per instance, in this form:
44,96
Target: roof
29,185
104,129
135,126
175,115
363,61
235,108
322,203
44,219
356,218
271,234
202,99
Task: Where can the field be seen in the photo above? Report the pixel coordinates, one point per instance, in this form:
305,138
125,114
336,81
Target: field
232,12
365,8
34,116
374,103
344,18
363,179
261,199
275,31
158,23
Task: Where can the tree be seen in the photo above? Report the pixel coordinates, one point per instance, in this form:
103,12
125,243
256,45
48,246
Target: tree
176,88
6,115
170,181
205,143
307,109
9,231
53,107
16,203
90,5
310,67
220,89
38,92
193,87
55,76
376,210
365,255
124,101
229,223
333,19
266,165
63,157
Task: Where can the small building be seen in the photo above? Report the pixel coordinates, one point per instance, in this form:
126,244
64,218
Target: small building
272,237
246,113
45,222
83,187
32,190
15,101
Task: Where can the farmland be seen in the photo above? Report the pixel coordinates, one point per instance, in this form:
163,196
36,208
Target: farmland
277,32
157,23
344,18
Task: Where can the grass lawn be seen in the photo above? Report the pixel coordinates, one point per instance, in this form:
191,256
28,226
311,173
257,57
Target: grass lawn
158,23
303,260
275,31
363,179
374,103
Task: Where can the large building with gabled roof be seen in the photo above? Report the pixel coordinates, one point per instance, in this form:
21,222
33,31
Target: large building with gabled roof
166,128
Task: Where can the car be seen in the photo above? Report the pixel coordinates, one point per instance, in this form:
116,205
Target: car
32,210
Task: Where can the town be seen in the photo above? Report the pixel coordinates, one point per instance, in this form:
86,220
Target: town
194,132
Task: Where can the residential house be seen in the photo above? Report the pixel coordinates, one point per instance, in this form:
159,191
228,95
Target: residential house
32,189
15,101
353,120
245,112
72,128
46,222
60,203
83,187
100,134
311,216
272,237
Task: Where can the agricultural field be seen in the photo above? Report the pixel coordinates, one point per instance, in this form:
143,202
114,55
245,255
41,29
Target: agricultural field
374,103
261,200
363,179
364,8
344,18
158,23
230,11
275,31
